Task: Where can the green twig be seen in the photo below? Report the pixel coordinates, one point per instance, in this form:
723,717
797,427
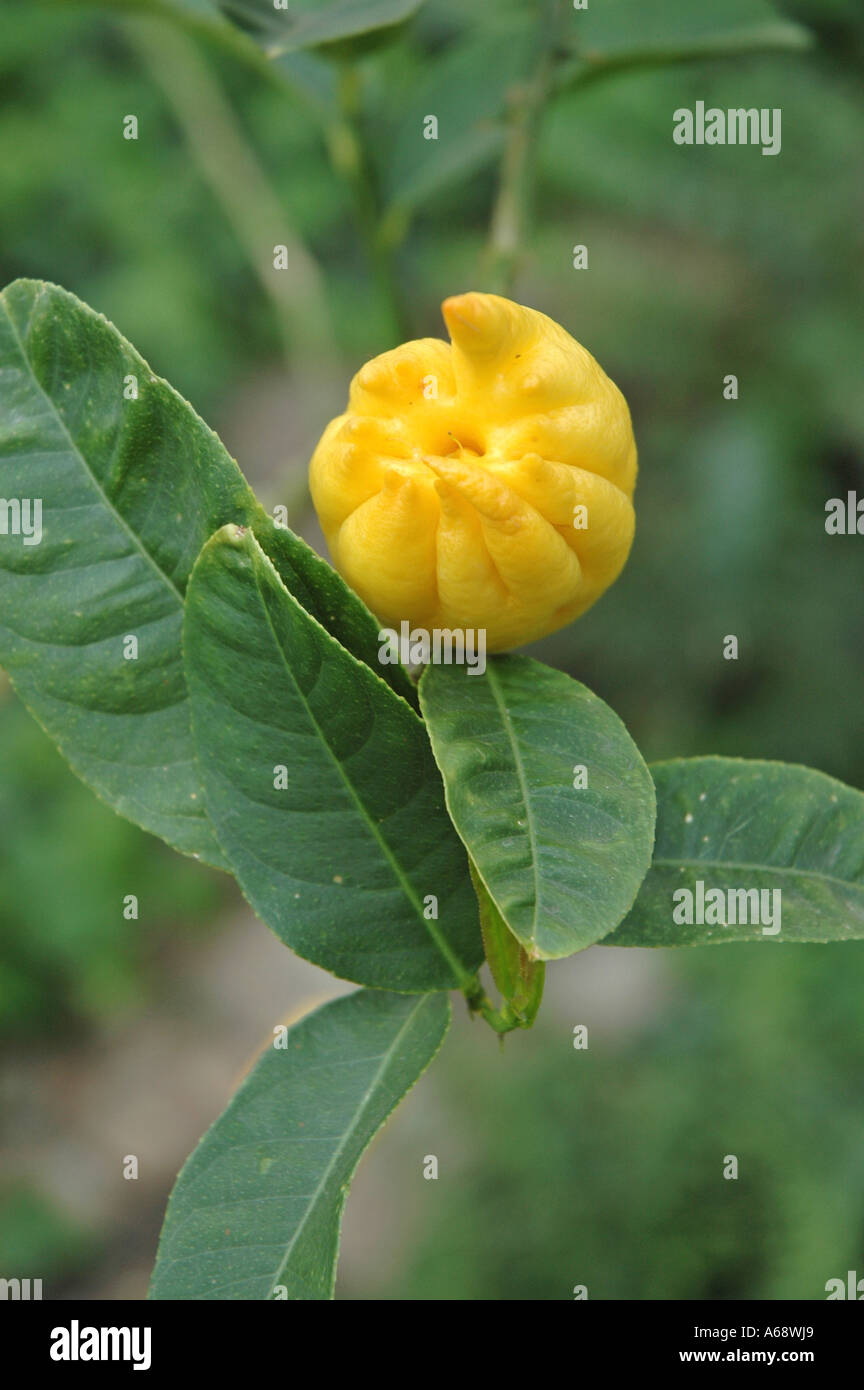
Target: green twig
565,69
511,211
349,158
502,1020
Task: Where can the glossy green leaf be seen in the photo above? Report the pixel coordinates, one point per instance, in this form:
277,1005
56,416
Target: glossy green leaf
256,1211
130,486
321,785
324,594
130,489
740,827
315,23
561,863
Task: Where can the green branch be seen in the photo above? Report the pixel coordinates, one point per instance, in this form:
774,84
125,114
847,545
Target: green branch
512,208
558,70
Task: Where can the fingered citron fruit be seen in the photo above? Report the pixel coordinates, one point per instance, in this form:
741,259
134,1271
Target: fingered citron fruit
485,483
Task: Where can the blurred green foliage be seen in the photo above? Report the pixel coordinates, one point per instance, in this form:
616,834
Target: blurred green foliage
37,1240
604,1167
66,865
708,262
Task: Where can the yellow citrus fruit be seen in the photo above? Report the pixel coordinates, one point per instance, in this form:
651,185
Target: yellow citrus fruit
485,483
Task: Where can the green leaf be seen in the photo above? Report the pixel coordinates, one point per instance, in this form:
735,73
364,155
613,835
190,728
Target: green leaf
130,491
459,155
673,30
303,74
342,859
467,90
561,864
735,824
256,1211
314,23
325,595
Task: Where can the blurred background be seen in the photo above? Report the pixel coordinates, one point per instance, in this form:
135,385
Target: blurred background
557,1166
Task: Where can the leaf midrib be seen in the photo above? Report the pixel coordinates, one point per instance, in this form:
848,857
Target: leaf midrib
492,681
462,975
762,868
341,1146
